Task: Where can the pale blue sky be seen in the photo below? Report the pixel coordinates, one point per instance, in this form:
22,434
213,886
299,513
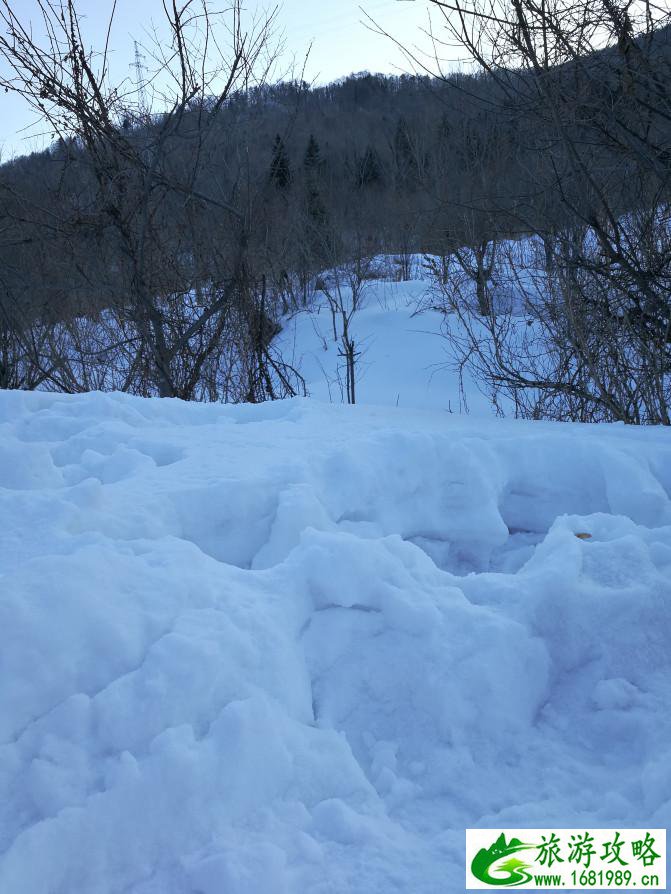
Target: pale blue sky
341,44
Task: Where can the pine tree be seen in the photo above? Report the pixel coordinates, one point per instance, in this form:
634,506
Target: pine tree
312,161
407,172
313,165
280,169
369,169
444,129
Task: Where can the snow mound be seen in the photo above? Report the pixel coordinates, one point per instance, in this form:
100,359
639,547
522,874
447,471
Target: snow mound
299,647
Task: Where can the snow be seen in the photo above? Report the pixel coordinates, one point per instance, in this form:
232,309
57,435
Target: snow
301,646
403,362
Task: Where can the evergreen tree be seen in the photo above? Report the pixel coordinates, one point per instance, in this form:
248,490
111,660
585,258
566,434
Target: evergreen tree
369,169
407,171
312,161
280,168
313,166
444,130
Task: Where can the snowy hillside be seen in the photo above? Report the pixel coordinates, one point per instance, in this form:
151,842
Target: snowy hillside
404,360
300,647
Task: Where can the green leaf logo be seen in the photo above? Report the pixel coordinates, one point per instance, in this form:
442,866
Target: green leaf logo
496,865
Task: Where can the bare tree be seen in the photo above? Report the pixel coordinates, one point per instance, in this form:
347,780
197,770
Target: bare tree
167,229
344,289
589,334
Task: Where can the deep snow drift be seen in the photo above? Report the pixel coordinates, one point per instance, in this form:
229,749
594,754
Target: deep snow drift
299,647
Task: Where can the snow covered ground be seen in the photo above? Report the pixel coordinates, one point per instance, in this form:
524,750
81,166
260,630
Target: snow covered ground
300,647
404,359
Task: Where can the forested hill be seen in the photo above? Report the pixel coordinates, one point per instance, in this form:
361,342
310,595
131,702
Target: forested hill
371,163
169,243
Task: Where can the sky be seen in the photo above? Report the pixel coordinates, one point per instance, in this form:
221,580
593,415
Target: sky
333,31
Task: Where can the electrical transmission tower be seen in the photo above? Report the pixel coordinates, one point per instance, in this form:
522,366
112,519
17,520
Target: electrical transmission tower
140,84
